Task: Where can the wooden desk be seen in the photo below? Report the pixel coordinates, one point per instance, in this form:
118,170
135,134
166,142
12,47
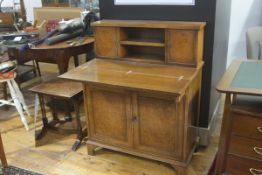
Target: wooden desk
60,53
240,145
142,95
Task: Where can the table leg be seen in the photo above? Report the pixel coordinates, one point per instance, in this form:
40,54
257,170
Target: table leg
44,118
2,153
68,116
42,105
224,136
90,55
54,111
79,127
38,68
62,62
5,94
76,61
36,109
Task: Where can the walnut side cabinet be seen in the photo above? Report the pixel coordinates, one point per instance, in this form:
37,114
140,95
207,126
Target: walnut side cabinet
142,92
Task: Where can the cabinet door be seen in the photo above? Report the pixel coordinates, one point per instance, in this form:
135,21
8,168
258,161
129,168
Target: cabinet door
105,42
181,47
156,128
109,116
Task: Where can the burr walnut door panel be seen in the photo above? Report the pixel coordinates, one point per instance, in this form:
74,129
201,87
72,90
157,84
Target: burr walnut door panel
156,125
106,42
109,116
181,46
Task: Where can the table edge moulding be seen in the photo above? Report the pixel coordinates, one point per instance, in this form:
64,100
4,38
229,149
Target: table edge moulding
142,92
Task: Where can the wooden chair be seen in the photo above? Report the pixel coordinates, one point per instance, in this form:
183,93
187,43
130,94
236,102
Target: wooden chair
2,153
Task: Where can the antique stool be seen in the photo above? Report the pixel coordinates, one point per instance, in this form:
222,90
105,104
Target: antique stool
17,99
69,92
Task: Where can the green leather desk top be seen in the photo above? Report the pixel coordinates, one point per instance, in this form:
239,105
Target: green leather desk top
242,77
249,75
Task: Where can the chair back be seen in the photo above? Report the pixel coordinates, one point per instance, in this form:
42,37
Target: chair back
254,43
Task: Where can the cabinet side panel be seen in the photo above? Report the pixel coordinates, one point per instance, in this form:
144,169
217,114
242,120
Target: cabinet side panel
105,42
199,46
181,47
193,100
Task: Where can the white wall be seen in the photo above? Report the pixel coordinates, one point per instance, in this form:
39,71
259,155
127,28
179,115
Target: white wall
29,5
244,14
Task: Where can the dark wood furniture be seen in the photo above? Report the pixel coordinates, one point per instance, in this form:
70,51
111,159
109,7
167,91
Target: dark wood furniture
23,69
240,145
2,153
60,53
142,96
69,92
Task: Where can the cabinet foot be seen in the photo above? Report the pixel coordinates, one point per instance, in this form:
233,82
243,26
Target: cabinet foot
91,150
180,170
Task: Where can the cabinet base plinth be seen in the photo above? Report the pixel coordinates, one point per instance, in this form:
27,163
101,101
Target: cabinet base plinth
180,170
91,149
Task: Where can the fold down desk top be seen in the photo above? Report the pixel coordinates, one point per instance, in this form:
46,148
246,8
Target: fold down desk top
131,75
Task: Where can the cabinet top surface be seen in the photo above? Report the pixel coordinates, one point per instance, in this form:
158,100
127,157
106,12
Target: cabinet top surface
131,75
151,24
242,77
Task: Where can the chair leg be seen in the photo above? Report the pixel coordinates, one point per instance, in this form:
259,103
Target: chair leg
20,96
35,73
38,68
17,104
5,94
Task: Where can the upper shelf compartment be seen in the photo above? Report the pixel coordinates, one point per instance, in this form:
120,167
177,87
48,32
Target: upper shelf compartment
142,37
160,42
142,42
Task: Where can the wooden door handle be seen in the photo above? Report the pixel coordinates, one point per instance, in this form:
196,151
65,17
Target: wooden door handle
259,129
254,171
258,150
134,118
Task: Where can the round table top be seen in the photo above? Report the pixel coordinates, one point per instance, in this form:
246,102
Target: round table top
79,41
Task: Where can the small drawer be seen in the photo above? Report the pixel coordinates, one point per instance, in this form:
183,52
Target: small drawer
250,148
247,126
241,166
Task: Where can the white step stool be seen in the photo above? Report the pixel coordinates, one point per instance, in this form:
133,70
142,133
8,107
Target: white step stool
17,97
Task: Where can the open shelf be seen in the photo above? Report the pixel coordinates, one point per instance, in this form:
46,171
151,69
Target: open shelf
146,58
143,42
144,53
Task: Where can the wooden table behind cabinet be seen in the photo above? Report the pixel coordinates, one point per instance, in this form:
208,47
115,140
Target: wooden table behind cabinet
142,94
